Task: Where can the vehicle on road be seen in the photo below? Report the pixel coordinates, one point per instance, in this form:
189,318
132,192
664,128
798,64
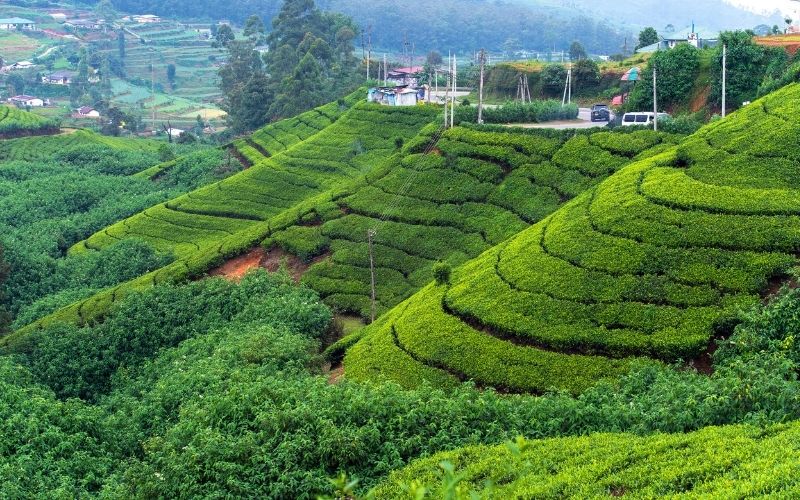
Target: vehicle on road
601,113
633,119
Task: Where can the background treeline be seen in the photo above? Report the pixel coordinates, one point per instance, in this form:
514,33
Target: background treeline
433,25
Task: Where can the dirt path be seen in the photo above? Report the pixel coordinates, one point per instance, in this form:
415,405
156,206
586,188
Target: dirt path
236,268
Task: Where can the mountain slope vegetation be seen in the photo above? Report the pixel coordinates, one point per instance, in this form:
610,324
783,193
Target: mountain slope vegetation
720,462
343,141
653,263
17,123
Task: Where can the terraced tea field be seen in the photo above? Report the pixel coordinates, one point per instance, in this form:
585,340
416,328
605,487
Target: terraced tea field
15,122
477,189
653,263
42,148
293,163
716,462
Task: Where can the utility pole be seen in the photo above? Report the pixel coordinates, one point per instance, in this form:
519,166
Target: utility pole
482,62
370,236
724,76
567,99
153,88
447,91
453,108
655,99
385,71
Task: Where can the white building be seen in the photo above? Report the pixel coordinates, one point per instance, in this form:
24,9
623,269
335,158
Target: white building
23,101
17,23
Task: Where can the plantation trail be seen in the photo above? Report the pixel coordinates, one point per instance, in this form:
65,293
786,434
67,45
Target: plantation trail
259,258
335,375
700,99
68,131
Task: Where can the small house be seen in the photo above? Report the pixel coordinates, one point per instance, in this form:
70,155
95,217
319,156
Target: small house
22,65
84,24
396,96
24,101
689,35
17,23
404,76
175,132
87,112
146,19
60,78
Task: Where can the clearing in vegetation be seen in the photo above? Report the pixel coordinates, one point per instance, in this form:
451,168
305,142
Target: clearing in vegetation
653,263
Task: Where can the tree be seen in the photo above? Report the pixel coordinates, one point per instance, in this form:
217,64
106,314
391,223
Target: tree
648,36
553,78
106,10
121,44
510,46
223,37
577,52
16,83
171,75
434,58
586,73
670,28
5,318
254,29
677,71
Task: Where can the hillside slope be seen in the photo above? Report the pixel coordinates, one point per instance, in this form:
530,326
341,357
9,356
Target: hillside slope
15,122
716,462
477,187
316,152
653,263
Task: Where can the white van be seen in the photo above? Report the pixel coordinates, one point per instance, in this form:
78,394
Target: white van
633,119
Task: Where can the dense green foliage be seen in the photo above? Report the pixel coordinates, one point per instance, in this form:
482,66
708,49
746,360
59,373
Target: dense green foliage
310,61
654,262
211,390
15,123
57,190
676,70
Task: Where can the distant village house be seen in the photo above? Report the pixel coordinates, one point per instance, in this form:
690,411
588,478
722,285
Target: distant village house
24,101
84,24
146,19
396,96
405,76
21,65
87,112
671,40
60,78
17,23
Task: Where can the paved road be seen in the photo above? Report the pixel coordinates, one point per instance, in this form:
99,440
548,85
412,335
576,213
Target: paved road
584,121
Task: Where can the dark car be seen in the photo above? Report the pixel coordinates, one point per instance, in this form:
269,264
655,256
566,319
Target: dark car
601,113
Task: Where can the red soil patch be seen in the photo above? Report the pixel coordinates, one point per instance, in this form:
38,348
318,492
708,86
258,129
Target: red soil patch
336,375
236,268
271,260
791,43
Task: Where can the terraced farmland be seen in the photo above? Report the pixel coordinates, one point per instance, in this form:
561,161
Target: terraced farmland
476,190
42,148
15,122
716,462
297,163
652,263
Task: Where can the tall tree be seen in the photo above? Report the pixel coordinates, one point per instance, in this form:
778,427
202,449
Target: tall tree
171,75
577,52
224,36
648,36
254,29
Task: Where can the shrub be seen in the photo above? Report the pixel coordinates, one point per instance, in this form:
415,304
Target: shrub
441,273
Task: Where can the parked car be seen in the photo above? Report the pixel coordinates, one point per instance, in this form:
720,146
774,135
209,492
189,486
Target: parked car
642,119
601,113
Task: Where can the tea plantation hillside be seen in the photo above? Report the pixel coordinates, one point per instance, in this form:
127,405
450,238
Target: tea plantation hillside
652,263
477,188
44,148
716,462
16,123
341,145
315,152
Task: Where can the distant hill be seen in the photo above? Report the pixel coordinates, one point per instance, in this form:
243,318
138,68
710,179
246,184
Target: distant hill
717,15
